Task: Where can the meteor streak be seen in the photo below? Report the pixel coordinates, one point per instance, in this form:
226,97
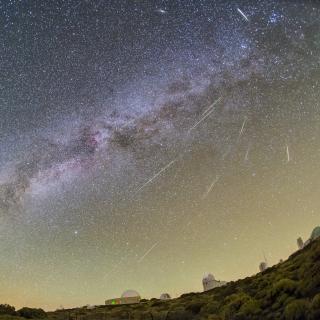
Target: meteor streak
288,154
210,187
243,124
141,259
205,114
243,15
247,154
157,174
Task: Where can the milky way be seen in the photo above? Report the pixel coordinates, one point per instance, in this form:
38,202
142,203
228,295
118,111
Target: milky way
134,125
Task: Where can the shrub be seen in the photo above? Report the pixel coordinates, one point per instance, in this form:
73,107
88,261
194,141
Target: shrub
282,298
144,315
315,307
316,302
7,309
157,302
10,317
174,305
211,307
212,317
195,307
179,314
190,294
32,313
250,307
297,310
156,315
284,286
233,303
310,285
315,253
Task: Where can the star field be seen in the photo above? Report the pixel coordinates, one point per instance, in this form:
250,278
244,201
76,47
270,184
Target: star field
144,143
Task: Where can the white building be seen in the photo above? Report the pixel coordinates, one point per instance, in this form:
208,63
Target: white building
209,282
127,297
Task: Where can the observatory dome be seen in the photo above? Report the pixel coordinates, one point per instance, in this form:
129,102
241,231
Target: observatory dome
130,294
208,277
209,282
165,296
263,266
315,233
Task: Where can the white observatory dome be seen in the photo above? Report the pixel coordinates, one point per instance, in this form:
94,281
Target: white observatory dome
130,294
209,282
208,277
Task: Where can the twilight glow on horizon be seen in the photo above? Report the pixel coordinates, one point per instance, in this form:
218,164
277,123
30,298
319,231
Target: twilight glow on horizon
144,143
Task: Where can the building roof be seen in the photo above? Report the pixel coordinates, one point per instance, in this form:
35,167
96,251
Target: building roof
130,293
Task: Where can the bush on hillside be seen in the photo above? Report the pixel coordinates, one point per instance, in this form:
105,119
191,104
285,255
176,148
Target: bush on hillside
310,288
7,309
297,310
195,307
284,286
180,314
212,317
212,307
233,303
250,308
315,307
32,313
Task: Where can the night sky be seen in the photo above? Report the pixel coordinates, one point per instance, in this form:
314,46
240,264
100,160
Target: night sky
144,143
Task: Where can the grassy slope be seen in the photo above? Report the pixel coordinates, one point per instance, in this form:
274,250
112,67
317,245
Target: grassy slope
8,317
288,290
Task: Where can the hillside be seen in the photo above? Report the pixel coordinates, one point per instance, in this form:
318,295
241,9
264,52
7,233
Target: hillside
288,290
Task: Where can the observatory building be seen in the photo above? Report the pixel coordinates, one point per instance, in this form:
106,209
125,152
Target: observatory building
165,296
314,235
263,266
300,243
209,282
128,297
